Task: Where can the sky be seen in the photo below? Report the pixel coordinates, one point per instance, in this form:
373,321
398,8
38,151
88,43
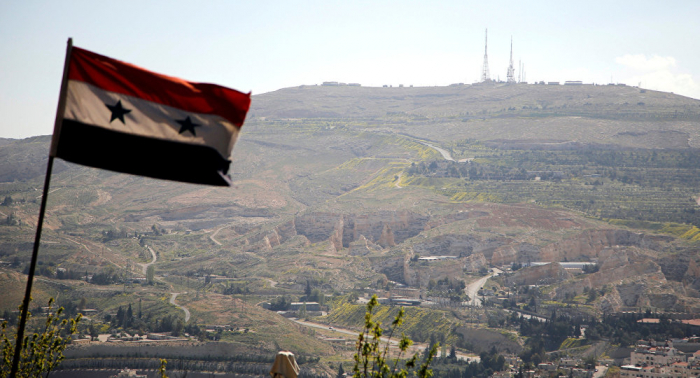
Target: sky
263,46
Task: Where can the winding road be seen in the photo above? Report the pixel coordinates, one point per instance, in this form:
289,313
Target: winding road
214,234
145,266
172,302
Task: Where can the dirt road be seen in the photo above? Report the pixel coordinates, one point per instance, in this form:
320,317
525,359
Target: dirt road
145,266
172,302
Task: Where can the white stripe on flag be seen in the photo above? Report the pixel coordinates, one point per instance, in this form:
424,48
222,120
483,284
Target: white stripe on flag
88,104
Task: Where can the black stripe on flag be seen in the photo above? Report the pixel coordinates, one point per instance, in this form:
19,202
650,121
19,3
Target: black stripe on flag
128,153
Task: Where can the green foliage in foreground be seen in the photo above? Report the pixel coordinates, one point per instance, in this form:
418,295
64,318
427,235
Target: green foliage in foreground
371,358
419,323
41,352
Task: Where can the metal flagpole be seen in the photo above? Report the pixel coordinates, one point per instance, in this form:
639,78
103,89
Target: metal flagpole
42,209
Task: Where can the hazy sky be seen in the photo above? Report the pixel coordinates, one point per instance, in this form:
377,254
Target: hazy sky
262,46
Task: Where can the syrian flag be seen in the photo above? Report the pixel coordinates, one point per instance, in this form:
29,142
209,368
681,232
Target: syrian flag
123,118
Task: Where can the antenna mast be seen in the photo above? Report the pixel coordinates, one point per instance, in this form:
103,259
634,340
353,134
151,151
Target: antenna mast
511,70
485,75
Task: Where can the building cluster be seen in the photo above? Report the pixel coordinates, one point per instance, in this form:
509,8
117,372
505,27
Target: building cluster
655,360
338,84
564,367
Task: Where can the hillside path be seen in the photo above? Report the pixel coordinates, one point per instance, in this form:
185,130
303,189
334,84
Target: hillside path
145,266
214,234
172,302
100,255
398,180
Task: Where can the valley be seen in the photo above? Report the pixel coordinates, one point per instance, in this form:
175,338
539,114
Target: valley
438,199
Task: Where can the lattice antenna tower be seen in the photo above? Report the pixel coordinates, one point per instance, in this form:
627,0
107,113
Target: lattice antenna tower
485,75
511,70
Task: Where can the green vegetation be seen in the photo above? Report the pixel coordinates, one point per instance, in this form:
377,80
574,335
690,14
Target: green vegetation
450,367
42,351
625,186
336,189
419,323
373,361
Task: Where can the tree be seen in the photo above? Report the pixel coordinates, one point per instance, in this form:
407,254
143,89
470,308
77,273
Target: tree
150,274
592,295
94,333
341,372
370,352
41,352
317,296
302,311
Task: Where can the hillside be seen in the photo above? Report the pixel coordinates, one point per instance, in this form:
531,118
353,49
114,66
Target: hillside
619,115
344,189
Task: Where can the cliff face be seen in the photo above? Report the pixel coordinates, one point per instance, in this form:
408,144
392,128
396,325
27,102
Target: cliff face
540,275
362,247
520,253
383,228
589,244
583,247
460,245
630,267
391,227
394,267
475,262
631,278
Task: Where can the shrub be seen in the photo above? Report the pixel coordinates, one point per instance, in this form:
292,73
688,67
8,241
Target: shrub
370,351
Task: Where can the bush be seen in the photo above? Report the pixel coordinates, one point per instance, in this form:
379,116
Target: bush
369,350
41,352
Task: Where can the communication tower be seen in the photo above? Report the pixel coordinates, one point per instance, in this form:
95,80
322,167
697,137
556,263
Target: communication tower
511,70
485,75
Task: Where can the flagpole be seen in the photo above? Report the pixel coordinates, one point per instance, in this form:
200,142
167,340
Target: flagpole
42,209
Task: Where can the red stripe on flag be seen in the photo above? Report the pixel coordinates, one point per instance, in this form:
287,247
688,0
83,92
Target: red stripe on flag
124,78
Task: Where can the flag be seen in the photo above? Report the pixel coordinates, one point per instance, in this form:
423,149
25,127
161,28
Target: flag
123,118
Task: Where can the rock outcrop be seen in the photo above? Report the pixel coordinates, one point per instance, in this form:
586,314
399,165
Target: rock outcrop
475,262
540,275
383,228
362,247
588,244
460,246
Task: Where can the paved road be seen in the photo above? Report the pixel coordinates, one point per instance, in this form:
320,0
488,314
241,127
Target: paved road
446,155
473,288
602,369
172,302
